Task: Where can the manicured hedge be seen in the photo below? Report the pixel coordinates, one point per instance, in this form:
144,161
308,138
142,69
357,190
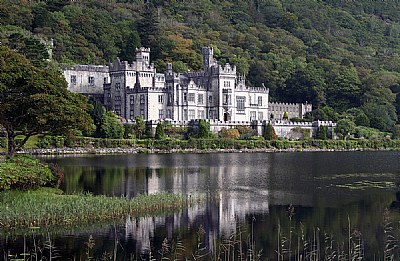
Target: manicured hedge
225,143
104,143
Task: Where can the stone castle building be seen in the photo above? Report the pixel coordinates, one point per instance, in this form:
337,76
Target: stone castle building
216,93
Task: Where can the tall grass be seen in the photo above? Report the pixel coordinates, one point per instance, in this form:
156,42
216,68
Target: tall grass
293,243
44,207
240,245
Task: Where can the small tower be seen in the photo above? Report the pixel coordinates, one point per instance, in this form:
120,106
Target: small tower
208,57
143,55
169,70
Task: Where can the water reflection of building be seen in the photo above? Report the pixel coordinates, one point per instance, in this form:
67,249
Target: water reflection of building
226,206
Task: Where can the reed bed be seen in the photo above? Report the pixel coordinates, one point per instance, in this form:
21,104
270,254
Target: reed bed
49,207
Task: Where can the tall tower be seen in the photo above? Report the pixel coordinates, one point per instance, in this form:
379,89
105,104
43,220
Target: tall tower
143,55
208,57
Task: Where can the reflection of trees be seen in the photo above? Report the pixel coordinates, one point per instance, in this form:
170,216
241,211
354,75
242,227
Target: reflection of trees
92,179
238,192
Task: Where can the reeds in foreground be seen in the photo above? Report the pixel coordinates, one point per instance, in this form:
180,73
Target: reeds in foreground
44,208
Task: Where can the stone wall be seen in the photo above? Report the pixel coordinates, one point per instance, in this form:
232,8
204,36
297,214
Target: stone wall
293,110
283,129
87,79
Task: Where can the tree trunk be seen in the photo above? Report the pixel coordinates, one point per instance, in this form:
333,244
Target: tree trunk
11,143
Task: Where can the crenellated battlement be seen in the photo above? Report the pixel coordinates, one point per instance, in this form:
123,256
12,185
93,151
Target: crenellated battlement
143,49
89,68
291,123
119,65
258,89
227,69
194,74
284,104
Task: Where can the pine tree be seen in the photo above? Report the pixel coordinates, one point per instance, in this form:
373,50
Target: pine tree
321,133
269,132
160,134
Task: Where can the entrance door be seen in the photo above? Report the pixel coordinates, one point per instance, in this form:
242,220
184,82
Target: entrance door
227,117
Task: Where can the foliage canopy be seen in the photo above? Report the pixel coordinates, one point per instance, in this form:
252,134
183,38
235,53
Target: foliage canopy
340,54
34,101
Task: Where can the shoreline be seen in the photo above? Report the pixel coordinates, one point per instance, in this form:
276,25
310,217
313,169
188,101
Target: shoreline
140,150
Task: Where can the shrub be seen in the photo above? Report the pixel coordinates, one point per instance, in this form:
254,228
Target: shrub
139,127
44,142
269,132
59,141
24,173
246,132
229,133
204,129
321,133
129,131
3,142
160,134
111,127
175,132
149,131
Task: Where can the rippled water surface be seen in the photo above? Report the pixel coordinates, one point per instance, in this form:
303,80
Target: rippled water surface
249,194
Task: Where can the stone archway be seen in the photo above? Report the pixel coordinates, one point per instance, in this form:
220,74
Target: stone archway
227,116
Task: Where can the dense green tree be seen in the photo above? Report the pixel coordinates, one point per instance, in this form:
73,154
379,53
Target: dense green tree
139,127
149,131
305,84
345,127
31,48
111,127
345,55
396,131
149,30
360,118
322,132
325,113
97,113
160,134
129,131
379,101
129,42
34,101
285,115
204,129
381,116
269,132
343,88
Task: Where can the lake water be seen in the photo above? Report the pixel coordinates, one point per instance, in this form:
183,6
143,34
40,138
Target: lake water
311,203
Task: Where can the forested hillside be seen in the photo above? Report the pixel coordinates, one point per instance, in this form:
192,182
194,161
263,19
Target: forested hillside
336,54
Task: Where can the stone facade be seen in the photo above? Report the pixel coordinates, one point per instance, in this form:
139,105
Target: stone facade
217,93
136,89
277,110
87,79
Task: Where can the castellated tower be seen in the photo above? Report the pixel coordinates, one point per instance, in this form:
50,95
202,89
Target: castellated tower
208,59
143,55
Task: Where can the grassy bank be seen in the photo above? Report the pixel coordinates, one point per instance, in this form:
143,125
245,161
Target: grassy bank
26,201
47,207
